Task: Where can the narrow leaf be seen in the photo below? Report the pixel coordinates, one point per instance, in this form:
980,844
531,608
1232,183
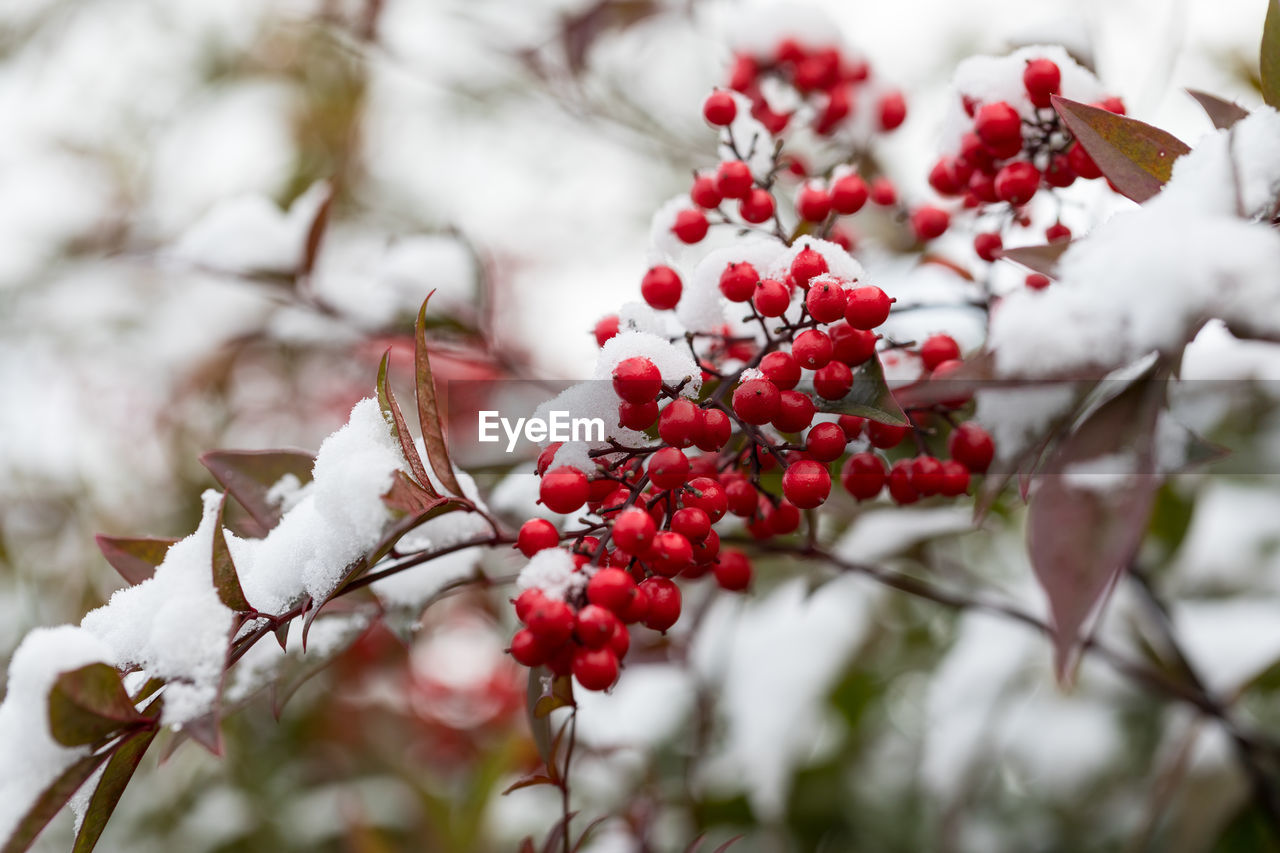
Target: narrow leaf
134,559
248,476
869,397
89,704
395,419
1136,157
52,801
1269,55
315,234
115,778
529,781
1042,259
225,579
429,409
1222,113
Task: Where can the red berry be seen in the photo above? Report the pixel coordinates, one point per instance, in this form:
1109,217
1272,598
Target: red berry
637,416
806,483
893,110
551,620
825,442
1041,78
813,203
971,446
707,495
704,192
781,369
743,73
620,642
926,475
527,649
833,380
668,468
937,349
719,108
594,626
998,125
771,298
1081,163
605,329
738,282
690,226
1056,232
638,609
637,380
679,423
664,603
611,588
955,478
988,246
783,518
713,430
884,435
564,489
757,207
595,669
661,288
733,179
742,497
733,571
825,299
795,411
1016,183
1112,105
1059,172
899,480
812,348
692,523
883,192
1037,281
848,194
863,475
525,602
535,535
852,425
850,345
807,264
942,177
756,401
669,554
633,530
703,552
839,105
867,308
929,223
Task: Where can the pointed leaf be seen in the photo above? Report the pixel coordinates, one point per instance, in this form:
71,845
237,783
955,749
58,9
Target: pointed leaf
540,701
1090,511
723,847
408,497
225,579
869,397
395,419
52,801
134,558
428,408
1136,157
1269,55
89,704
115,778
315,233
1042,259
1221,112
248,476
529,781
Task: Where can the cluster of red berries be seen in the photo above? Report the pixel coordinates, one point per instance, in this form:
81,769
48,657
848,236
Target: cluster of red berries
1008,156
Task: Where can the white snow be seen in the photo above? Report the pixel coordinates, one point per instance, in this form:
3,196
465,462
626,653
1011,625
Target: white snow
552,571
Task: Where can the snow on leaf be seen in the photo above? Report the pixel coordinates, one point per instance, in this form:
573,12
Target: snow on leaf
395,419
1041,259
51,801
124,761
225,579
134,558
1136,157
89,704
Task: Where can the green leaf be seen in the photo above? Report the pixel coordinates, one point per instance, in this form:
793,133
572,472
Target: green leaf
89,704
135,559
429,409
1269,55
1042,259
1221,112
870,397
115,778
248,476
51,801
225,579
1136,157
395,419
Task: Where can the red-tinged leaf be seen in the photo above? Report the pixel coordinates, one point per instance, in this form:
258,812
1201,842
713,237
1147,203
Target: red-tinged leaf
696,844
586,832
89,704
395,419
1136,157
869,397
51,801
530,781
248,476
555,838
1221,112
1090,510
1042,259
134,559
206,731
282,635
355,570
225,579
728,844
429,409
408,497
315,234
115,778
1269,55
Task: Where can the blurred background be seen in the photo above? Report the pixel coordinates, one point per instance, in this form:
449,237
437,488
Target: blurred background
162,163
